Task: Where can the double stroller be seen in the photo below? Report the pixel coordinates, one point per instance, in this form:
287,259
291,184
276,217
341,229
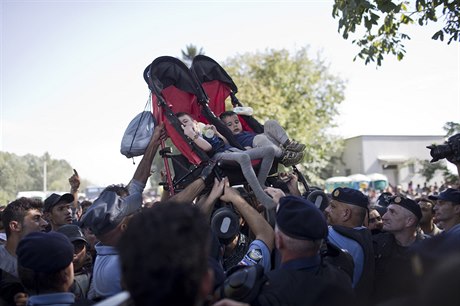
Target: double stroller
201,92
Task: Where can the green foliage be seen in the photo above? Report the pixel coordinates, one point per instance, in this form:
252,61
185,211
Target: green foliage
382,21
190,52
451,128
428,169
23,173
300,93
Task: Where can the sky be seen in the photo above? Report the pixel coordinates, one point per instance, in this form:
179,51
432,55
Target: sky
71,71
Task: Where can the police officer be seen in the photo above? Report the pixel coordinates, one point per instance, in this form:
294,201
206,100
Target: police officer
345,214
394,276
303,278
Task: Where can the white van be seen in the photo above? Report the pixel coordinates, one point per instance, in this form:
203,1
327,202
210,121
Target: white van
39,195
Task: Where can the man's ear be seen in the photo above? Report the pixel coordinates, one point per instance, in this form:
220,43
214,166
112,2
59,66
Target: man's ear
67,276
123,226
346,214
456,209
15,226
411,221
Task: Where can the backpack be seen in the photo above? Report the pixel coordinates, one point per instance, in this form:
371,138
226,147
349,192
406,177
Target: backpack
137,135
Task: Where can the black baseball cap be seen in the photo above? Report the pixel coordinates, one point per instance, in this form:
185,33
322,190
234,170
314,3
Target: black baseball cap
55,198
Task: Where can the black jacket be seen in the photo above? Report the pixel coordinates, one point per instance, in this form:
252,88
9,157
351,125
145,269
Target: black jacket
324,285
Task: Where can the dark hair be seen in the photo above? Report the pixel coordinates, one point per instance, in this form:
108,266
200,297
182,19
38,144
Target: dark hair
166,248
119,189
226,114
39,282
16,211
180,114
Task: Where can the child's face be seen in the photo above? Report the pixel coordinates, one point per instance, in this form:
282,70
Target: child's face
233,123
186,120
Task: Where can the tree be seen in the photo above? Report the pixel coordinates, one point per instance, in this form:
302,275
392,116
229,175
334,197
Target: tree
299,92
451,128
383,21
190,52
25,173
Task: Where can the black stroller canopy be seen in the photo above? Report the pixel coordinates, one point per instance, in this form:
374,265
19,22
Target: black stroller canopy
165,71
206,69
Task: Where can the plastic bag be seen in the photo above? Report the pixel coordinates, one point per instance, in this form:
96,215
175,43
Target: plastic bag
137,135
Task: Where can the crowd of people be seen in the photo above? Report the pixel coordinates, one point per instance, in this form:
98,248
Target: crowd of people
262,245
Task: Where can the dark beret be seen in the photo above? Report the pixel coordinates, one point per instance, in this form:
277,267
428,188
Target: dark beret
45,252
300,219
54,199
450,194
408,204
108,210
350,196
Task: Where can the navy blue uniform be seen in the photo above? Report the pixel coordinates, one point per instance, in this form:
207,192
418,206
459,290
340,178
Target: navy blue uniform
306,281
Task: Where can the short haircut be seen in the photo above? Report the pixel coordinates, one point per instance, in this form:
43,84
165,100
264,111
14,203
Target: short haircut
165,248
299,245
17,210
39,282
181,114
119,189
361,213
226,114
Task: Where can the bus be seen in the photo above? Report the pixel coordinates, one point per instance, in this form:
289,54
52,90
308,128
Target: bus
92,192
337,181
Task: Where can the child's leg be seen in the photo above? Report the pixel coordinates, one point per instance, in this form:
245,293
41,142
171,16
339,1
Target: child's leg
261,140
278,135
275,133
244,161
267,154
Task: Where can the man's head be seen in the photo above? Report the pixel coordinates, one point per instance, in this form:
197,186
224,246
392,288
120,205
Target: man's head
57,209
45,262
375,220
78,240
232,121
427,207
166,247
447,208
402,214
23,216
300,227
109,214
348,207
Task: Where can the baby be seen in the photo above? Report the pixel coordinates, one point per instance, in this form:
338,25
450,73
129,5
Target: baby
288,151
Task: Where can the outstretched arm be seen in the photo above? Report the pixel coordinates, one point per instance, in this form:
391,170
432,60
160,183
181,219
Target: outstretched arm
142,172
207,204
190,192
257,223
74,182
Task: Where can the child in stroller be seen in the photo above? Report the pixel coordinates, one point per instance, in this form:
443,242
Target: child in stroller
221,150
288,151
